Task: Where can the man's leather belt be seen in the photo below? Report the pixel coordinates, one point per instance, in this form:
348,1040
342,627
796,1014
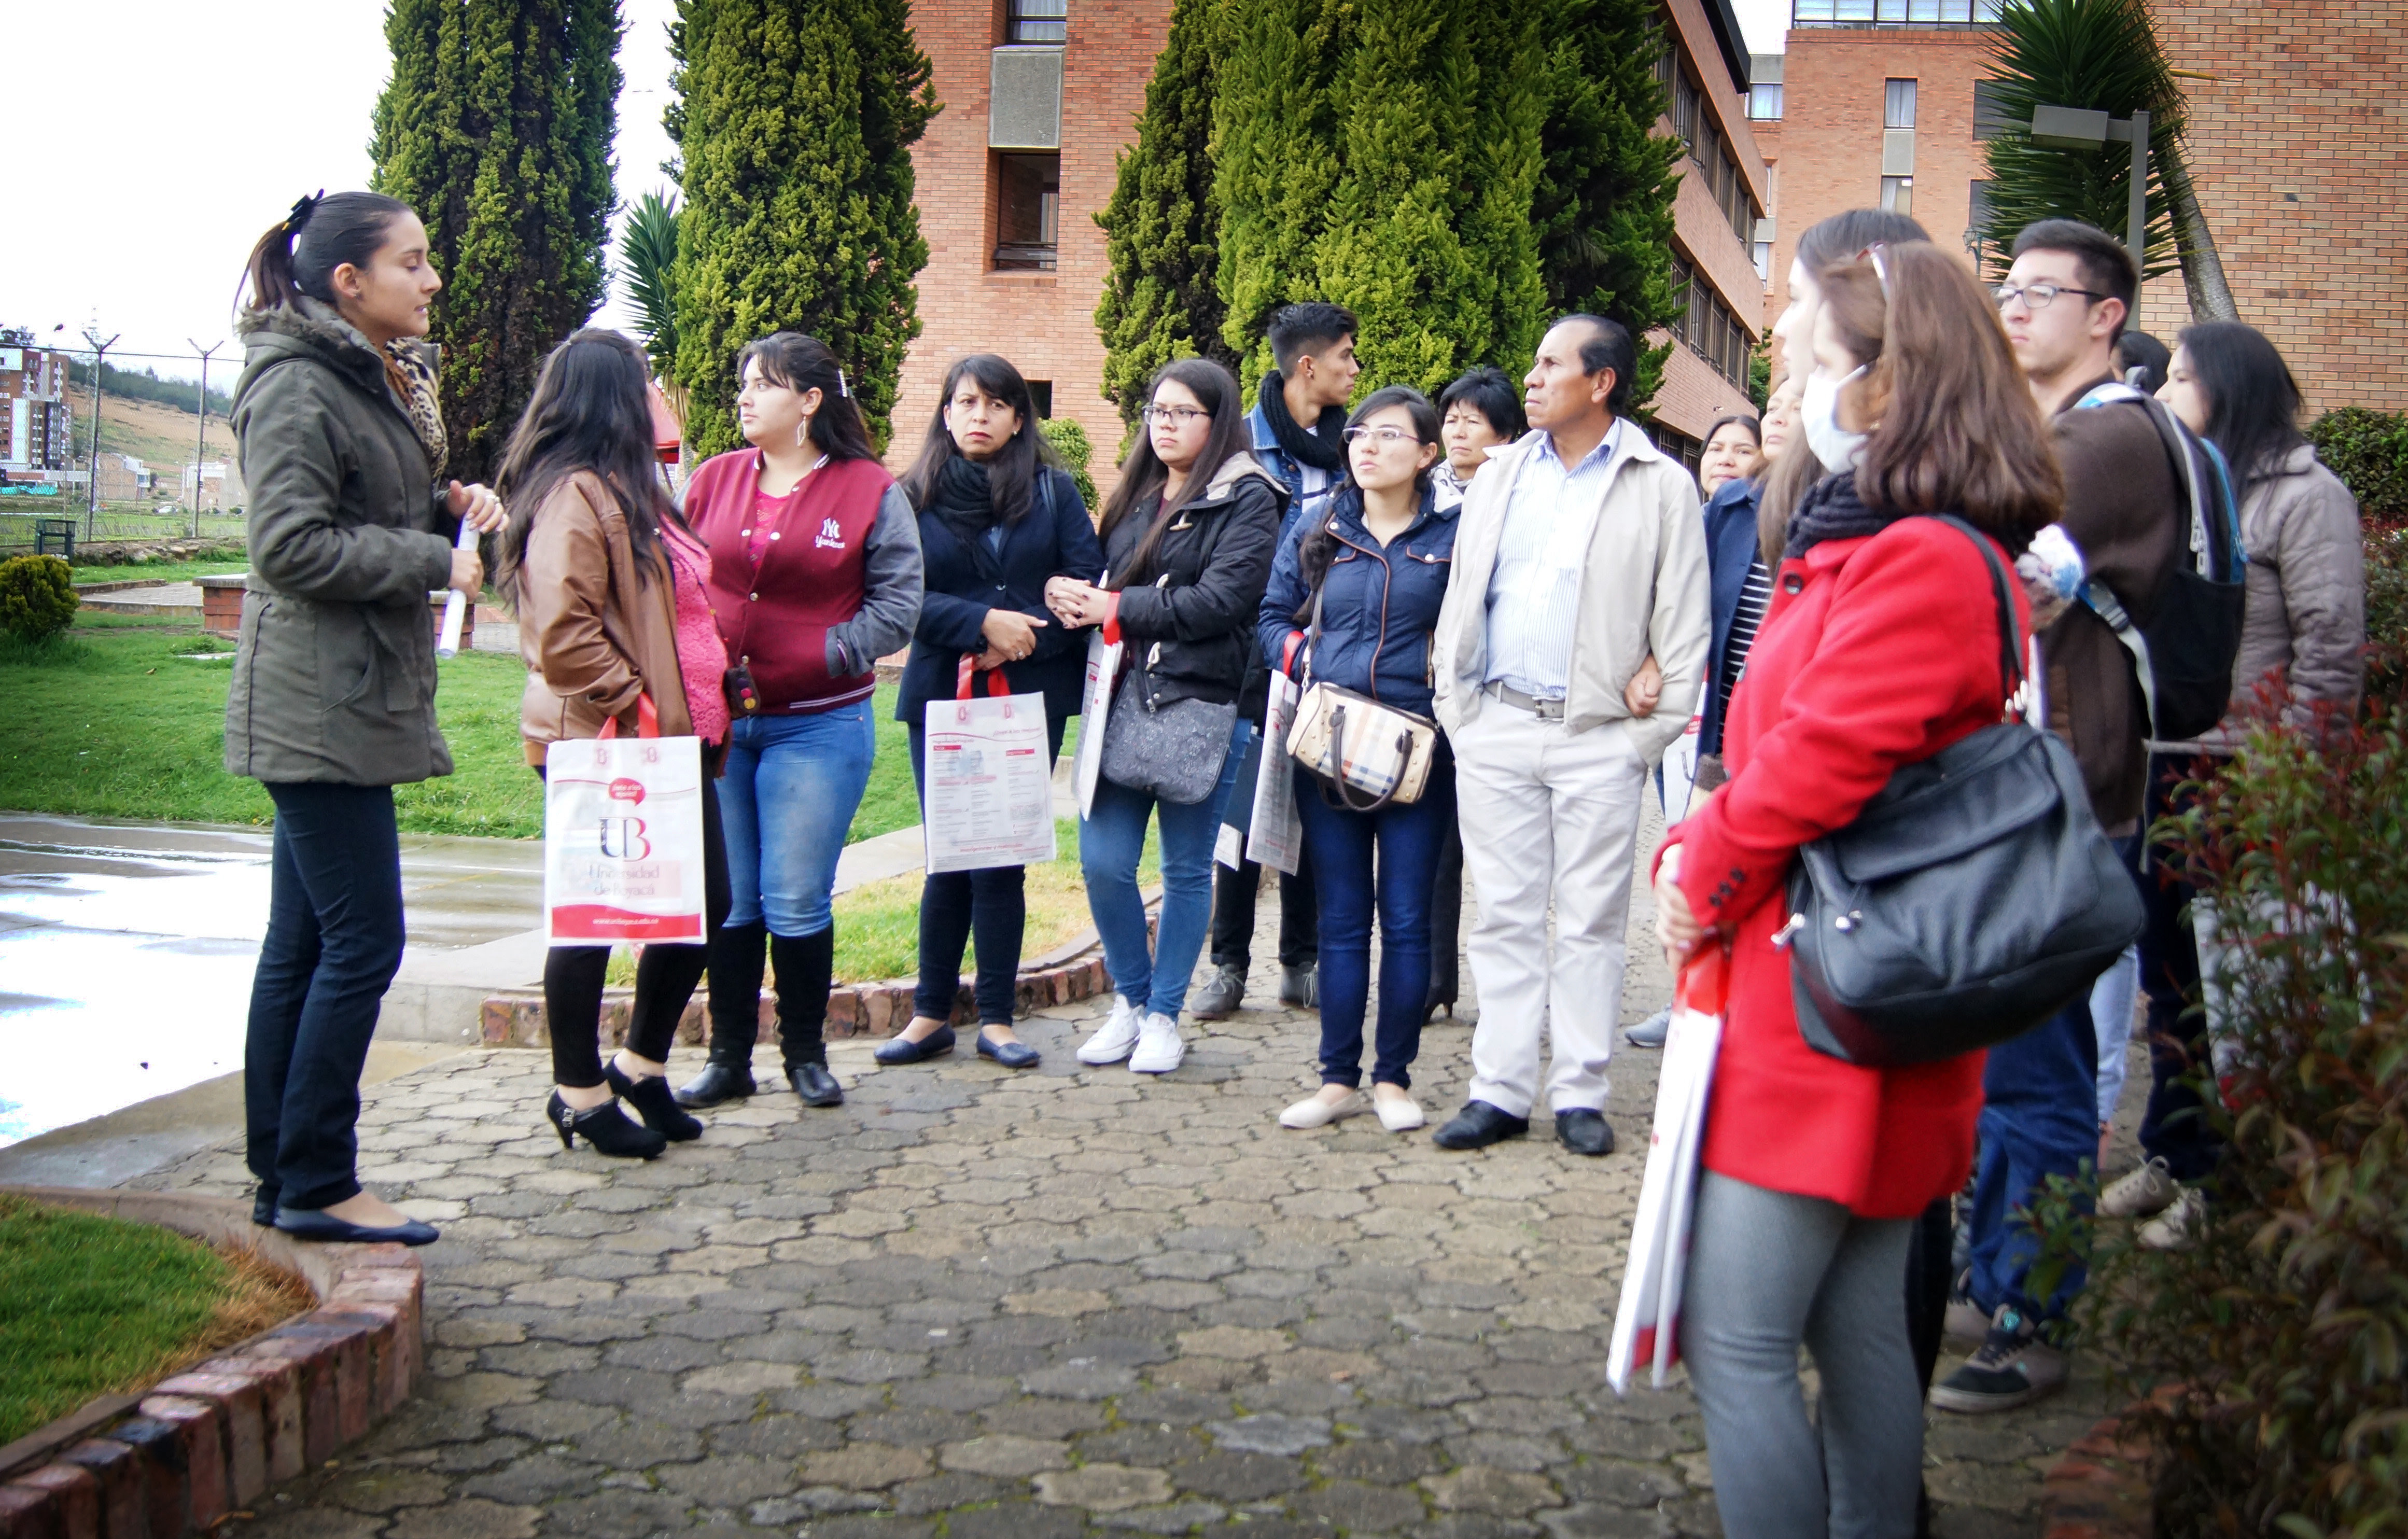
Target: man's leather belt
1546,711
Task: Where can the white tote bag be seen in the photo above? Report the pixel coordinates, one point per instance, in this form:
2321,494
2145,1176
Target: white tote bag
989,784
623,843
1274,838
1647,1321
1104,649
1680,770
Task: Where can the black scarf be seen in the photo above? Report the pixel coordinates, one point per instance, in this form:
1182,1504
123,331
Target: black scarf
1323,449
964,499
1831,510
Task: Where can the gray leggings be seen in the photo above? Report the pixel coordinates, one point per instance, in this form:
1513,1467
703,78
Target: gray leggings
1768,1271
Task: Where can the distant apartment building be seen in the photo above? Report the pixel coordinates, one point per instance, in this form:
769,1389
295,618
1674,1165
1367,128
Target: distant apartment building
205,485
1041,97
125,479
2292,139
34,422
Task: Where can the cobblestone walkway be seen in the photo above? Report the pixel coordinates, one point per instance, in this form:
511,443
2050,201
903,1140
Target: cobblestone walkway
974,1305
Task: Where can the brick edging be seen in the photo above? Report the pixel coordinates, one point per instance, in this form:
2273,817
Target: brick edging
2101,1488
215,1437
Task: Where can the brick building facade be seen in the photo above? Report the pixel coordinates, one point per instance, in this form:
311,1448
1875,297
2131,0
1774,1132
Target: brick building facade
1041,97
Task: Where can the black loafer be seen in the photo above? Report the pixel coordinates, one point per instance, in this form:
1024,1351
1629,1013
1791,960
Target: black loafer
935,1044
262,1207
1011,1054
1478,1126
316,1224
814,1085
1584,1133
718,1084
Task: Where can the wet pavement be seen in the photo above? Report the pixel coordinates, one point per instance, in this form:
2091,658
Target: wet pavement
127,950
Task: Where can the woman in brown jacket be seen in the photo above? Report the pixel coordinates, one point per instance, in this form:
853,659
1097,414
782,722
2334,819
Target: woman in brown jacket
610,589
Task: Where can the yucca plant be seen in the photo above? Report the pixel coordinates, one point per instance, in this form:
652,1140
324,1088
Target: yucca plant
2101,55
647,254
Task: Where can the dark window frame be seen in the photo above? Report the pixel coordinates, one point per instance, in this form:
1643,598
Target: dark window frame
1038,22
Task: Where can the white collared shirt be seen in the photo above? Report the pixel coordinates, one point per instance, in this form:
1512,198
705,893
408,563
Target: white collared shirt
1534,588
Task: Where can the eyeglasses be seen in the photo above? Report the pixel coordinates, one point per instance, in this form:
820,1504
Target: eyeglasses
1177,416
1384,437
2038,295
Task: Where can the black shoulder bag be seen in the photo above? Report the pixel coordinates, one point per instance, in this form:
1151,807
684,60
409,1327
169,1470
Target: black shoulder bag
1973,898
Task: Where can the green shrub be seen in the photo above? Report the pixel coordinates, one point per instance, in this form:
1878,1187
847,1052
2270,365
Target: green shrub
2386,611
37,596
2272,1349
1069,441
2368,451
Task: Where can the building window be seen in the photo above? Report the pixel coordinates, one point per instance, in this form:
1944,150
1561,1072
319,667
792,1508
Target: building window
1040,395
1028,212
1037,22
1990,115
1764,101
1764,262
1913,13
1675,445
1898,103
1897,194
1709,329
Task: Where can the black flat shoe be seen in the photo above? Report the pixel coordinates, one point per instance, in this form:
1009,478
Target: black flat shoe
814,1084
1584,1133
718,1084
1011,1054
901,1050
655,1103
605,1128
262,1207
1478,1126
324,1228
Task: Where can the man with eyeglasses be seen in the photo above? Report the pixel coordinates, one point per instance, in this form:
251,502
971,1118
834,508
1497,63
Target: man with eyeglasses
1580,552
1299,411
2064,304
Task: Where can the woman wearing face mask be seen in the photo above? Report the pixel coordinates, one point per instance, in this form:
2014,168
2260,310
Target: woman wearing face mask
1189,538
1815,1171
816,575
998,520
332,699
1352,602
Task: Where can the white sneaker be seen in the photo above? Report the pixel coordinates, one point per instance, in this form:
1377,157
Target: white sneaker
1159,1047
1314,1112
2178,1226
1399,1114
2149,1189
1114,1039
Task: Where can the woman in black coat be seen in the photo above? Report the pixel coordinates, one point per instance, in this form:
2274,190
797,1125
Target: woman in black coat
997,522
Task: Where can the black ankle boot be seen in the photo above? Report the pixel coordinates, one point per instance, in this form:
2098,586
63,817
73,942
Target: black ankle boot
652,1101
605,1128
737,953
803,964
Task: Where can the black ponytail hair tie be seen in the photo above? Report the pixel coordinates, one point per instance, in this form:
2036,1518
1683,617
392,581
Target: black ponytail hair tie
302,206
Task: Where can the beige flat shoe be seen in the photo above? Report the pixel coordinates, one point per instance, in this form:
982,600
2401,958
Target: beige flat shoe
1399,1114
1314,1112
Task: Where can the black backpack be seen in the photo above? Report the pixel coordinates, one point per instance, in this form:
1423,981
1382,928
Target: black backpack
2184,655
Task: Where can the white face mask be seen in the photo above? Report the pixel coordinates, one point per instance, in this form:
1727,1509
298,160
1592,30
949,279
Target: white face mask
1818,413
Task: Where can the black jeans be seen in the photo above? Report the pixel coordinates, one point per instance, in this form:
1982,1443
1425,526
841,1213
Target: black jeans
991,903
666,976
1233,914
2174,1128
334,942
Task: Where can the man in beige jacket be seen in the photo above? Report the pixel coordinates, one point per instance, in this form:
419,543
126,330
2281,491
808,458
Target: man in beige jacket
1581,553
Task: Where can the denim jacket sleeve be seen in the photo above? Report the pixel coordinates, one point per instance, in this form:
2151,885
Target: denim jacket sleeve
1285,594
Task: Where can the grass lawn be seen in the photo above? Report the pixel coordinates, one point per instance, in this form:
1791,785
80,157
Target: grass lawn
160,571
114,720
95,1306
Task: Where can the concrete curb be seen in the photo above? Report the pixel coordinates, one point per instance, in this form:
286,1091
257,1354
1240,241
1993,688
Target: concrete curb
176,1460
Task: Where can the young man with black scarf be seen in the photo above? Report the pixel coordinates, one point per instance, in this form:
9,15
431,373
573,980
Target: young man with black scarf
1299,411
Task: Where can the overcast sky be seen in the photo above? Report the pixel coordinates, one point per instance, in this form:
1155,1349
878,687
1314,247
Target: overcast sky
152,141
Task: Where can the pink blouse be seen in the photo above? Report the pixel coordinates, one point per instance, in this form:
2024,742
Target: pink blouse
702,658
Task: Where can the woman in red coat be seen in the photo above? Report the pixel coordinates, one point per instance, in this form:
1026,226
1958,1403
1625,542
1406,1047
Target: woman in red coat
1881,648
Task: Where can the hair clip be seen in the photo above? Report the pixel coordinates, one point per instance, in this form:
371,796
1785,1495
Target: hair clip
302,206
840,385
1875,253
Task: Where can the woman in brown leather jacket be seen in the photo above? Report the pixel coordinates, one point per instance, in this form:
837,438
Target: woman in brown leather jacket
611,591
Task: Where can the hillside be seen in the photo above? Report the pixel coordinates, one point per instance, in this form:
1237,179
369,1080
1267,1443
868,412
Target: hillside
159,436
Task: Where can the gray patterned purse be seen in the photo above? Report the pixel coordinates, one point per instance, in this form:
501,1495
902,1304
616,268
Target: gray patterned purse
1173,751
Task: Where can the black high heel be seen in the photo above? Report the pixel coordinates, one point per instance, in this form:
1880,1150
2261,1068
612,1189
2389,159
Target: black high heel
655,1102
605,1128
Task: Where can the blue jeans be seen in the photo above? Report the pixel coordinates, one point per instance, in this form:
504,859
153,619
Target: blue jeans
787,802
334,942
1112,841
1392,854
2040,1118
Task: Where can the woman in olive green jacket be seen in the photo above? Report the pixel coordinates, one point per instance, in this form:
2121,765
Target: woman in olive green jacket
333,698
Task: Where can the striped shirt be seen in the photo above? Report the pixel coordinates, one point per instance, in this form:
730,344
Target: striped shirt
1753,595
1534,586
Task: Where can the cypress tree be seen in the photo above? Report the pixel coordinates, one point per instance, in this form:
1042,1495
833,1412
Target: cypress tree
496,127
1161,300
1603,207
795,121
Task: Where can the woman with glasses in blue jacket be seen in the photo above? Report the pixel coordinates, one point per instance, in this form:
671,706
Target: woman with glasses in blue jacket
1375,569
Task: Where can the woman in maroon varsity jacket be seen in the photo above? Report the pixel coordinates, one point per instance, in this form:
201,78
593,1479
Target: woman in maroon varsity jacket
816,575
